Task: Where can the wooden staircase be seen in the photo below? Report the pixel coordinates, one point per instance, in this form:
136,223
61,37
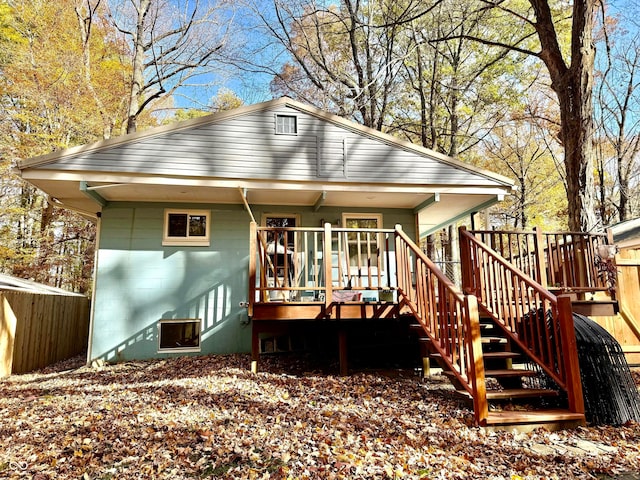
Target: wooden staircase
514,398
526,334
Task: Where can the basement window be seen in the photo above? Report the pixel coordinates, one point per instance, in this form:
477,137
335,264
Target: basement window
186,227
179,335
286,125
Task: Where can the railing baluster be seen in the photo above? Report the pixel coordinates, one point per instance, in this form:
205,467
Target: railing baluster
535,316
446,317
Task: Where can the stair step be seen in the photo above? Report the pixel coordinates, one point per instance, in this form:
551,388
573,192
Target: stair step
501,373
486,355
500,355
513,393
520,393
493,340
594,308
483,326
533,417
510,372
485,341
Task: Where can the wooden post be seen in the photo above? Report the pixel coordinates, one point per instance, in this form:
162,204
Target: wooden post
480,404
570,355
426,367
255,348
342,351
328,269
541,264
401,263
614,294
466,267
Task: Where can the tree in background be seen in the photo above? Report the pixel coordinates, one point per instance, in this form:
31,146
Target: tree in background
104,72
570,68
617,107
345,58
225,100
516,146
172,44
378,63
460,89
46,104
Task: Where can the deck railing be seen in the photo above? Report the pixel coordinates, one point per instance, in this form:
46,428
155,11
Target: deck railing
321,265
449,318
567,261
540,323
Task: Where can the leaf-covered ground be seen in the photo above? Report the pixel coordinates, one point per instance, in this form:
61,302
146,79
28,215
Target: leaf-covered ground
209,417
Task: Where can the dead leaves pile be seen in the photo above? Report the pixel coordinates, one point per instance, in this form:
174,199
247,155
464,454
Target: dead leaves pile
209,417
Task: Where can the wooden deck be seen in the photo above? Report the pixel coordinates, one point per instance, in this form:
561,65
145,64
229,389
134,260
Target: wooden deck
349,275
274,311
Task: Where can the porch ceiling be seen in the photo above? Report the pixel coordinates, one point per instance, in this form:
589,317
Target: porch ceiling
434,205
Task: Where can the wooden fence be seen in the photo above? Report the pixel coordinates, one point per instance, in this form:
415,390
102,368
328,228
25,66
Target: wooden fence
38,329
625,326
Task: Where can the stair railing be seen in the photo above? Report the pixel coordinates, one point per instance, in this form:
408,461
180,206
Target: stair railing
449,318
561,260
540,323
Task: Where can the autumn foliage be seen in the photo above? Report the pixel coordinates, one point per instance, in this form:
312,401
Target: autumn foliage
209,417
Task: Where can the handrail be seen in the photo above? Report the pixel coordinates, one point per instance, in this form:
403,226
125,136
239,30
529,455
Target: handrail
563,260
449,318
540,323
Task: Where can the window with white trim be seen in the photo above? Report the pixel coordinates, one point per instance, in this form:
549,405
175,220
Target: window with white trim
187,227
286,124
363,246
179,335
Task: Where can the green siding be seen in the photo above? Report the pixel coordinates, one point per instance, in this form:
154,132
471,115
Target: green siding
140,282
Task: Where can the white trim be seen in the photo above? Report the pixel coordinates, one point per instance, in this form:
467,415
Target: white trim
277,116
188,241
94,289
145,179
265,215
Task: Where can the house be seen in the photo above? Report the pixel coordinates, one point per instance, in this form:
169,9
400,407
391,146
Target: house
626,235
174,233
217,232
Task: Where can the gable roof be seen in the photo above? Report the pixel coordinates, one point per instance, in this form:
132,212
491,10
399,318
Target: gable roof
329,161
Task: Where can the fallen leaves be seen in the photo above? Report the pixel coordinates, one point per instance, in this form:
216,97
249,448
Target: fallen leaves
209,417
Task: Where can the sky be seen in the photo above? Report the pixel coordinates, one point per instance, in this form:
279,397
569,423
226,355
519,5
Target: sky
253,87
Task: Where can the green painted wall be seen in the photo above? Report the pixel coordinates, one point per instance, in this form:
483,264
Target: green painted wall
139,281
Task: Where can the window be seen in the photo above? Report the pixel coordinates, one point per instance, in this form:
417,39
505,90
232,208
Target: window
286,124
280,220
362,220
179,335
364,247
186,227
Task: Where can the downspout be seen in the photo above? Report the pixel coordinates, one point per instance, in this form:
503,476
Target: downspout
94,289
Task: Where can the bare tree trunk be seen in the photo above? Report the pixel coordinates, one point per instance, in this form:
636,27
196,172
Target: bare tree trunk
85,22
573,86
138,66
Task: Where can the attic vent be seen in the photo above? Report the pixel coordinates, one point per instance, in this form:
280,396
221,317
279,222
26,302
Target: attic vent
286,124
332,157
